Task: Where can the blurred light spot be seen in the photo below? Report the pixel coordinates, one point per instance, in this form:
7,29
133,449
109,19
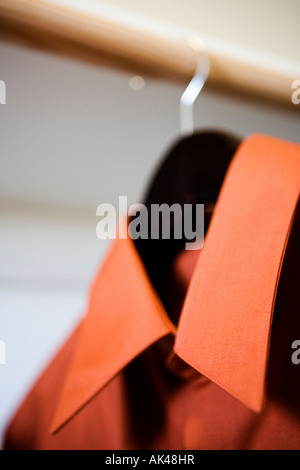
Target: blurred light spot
136,82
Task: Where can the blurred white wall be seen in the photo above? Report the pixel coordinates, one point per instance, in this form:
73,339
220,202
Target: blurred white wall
75,135
267,25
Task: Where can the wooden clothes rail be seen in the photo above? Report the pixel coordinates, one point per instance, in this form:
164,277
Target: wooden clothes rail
91,30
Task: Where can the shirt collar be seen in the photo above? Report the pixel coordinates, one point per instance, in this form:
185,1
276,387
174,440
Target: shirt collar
225,324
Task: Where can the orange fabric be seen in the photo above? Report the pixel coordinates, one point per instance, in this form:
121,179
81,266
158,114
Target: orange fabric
225,325
111,336
121,383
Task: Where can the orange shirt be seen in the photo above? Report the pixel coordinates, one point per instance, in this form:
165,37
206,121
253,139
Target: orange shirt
222,378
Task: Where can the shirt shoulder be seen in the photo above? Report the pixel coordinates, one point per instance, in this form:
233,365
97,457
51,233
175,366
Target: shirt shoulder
32,418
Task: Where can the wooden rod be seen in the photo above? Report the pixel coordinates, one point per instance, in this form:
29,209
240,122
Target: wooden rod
143,45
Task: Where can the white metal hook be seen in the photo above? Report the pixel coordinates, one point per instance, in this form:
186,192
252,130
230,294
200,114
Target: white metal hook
195,86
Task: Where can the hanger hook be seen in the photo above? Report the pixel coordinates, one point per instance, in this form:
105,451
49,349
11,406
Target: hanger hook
195,86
